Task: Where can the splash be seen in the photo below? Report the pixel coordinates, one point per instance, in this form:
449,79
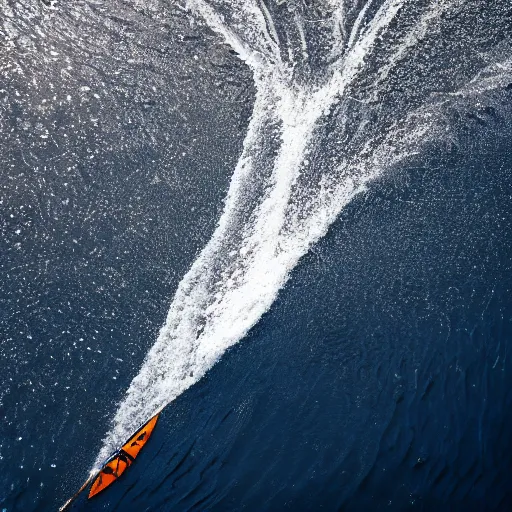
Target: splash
327,120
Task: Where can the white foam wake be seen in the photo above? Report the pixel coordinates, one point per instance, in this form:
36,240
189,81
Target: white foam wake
310,148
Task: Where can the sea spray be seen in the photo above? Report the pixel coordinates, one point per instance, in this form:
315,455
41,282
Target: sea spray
312,145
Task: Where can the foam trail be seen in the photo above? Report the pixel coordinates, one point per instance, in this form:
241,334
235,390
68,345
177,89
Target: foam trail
284,192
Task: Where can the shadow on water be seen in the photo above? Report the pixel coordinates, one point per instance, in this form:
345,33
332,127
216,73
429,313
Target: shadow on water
380,377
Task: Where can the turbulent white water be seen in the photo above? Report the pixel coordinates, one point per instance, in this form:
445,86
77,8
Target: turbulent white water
342,96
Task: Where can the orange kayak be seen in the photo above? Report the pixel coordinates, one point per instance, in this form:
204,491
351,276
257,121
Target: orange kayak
118,463
123,459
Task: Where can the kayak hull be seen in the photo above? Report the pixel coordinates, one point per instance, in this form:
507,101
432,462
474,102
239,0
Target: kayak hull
123,459
118,463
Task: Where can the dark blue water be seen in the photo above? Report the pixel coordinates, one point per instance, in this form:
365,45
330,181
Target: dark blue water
363,389
380,378
92,248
